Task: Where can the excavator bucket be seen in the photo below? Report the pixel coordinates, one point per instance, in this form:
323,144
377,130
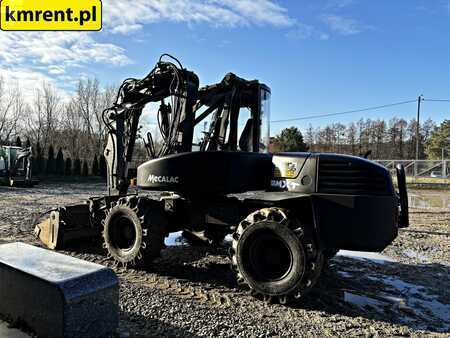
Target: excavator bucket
47,232
66,224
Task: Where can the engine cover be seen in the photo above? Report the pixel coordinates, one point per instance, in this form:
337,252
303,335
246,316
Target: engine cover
330,174
198,173
355,205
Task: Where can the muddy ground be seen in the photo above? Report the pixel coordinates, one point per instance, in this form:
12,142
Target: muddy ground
190,291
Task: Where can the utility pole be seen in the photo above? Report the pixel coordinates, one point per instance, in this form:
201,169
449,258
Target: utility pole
444,164
419,100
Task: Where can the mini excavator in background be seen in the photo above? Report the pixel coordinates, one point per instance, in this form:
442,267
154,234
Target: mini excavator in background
287,212
15,166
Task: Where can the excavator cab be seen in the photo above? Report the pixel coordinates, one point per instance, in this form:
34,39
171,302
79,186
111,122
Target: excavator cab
264,136
249,130
233,153
239,112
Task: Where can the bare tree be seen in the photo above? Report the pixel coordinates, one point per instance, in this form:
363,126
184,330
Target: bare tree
402,125
310,138
89,103
107,99
45,114
379,137
12,107
71,125
363,136
339,135
352,137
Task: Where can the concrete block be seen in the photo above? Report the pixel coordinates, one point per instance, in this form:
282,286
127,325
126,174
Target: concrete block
57,295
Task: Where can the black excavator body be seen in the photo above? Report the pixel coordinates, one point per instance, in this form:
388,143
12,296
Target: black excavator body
287,212
346,192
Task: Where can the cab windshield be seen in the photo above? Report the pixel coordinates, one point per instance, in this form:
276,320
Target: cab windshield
265,121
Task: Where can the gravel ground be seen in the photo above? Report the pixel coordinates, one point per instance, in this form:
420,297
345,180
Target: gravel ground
190,291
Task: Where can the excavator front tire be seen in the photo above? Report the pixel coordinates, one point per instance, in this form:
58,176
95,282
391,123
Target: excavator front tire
134,231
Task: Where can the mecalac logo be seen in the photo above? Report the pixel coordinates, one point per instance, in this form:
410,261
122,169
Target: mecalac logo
163,179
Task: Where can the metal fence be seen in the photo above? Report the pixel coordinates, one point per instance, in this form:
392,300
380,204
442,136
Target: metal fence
437,169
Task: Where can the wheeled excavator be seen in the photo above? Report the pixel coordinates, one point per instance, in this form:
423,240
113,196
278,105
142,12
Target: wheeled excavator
15,166
286,212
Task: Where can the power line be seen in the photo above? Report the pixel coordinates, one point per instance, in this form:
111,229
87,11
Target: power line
345,112
436,100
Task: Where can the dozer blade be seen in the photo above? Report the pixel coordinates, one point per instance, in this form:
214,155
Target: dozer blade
66,224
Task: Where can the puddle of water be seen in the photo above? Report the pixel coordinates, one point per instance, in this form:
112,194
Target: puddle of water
416,298
412,300
345,274
361,301
428,201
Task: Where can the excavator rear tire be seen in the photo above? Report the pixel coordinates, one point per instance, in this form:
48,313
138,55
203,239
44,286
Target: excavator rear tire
134,231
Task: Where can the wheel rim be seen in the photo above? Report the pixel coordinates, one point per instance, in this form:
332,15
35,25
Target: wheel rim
122,233
267,256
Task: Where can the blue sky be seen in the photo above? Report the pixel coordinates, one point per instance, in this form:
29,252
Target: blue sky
319,56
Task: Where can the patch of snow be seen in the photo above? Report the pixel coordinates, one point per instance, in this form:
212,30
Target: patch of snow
361,301
175,238
370,256
228,238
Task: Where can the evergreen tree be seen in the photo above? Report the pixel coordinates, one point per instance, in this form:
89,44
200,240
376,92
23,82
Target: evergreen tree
28,143
60,163
38,161
438,141
18,142
290,139
51,163
85,171
102,166
77,167
68,167
95,166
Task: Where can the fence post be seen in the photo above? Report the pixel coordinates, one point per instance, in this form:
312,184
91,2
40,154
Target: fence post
415,170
